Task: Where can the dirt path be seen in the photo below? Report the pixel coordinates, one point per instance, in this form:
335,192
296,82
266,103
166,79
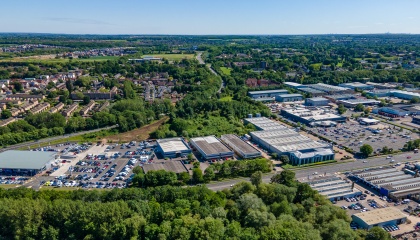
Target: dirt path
137,134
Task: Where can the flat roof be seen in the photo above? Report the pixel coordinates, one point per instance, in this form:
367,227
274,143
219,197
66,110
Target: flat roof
14,159
172,145
292,84
317,99
268,91
210,145
170,166
311,90
380,215
239,143
368,120
290,95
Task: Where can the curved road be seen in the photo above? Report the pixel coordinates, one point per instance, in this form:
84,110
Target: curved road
201,61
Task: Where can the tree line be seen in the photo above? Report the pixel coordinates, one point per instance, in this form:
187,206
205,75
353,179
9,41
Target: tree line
290,210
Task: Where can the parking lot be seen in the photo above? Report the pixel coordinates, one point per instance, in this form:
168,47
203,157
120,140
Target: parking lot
353,135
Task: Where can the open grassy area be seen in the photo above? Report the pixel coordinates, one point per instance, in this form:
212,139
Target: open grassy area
137,134
40,59
88,137
226,70
9,186
172,57
226,99
340,64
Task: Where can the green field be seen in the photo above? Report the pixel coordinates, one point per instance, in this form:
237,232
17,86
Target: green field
340,64
57,60
226,99
171,57
226,70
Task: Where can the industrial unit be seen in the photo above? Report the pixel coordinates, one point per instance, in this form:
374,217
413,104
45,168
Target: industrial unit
390,182
334,188
211,148
172,147
293,97
398,110
263,123
357,85
380,217
311,115
330,89
313,92
351,103
25,163
240,147
294,85
285,141
317,101
267,95
338,97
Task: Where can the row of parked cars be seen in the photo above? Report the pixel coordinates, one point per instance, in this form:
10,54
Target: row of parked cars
13,180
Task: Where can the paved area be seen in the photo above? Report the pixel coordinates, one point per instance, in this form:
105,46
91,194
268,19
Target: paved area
353,135
92,150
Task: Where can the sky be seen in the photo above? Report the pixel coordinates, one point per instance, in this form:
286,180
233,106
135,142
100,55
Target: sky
210,17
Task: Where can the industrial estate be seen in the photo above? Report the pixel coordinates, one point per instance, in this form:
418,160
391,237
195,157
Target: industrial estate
247,137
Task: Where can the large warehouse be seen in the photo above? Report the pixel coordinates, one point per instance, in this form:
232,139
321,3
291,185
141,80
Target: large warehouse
266,95
334,188
172,147
311,115
380,217
330,89
390,182
263,123
211,148
243,149
25,163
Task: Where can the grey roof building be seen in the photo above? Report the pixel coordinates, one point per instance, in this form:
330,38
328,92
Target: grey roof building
240,147
15,162
211,148
172,147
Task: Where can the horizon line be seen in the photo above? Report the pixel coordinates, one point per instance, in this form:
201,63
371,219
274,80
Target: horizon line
180,34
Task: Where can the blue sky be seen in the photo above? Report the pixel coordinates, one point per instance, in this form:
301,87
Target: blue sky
210,16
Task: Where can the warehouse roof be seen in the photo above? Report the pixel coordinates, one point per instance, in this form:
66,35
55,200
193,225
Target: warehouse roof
268,91
14,159
172,144
239,143
290,95
317,99
210,145
380,215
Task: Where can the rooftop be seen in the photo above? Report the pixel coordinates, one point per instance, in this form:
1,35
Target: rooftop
311,90
239,143
210,145
315,99
292,84
290,95
172,144
14,159
380,215
269,91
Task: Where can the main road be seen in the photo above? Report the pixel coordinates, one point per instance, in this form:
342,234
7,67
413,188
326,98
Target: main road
44,140
330,169
201,61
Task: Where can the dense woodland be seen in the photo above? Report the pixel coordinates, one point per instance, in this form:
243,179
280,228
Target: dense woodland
284,209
